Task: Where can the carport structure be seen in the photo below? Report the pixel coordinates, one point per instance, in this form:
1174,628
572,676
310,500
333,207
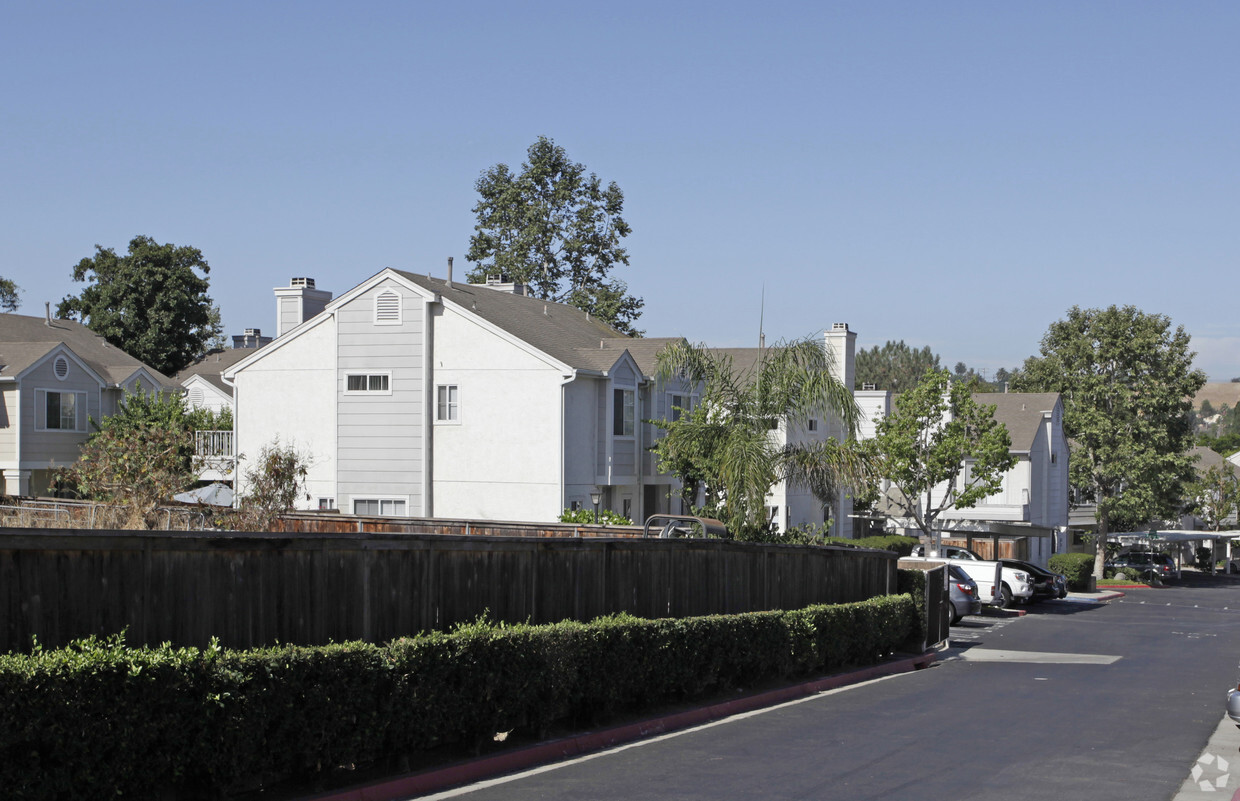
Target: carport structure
1180,536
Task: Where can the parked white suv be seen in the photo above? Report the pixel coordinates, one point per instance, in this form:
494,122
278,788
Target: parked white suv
1014,585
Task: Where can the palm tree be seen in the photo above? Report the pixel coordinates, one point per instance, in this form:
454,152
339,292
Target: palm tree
726,447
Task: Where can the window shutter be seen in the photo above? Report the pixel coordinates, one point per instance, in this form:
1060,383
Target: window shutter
40,408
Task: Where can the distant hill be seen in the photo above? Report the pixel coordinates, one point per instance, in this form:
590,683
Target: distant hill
1218,394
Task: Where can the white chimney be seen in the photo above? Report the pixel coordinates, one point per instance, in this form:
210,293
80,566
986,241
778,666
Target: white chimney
841,344
298,302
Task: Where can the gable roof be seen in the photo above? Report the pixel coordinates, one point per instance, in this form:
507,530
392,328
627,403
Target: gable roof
1020,412
1204,458
25,341
563,332
211,367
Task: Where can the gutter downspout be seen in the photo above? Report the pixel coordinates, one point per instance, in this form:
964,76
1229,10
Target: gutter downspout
564,382
428,404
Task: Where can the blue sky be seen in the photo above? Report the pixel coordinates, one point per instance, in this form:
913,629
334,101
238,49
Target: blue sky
951,174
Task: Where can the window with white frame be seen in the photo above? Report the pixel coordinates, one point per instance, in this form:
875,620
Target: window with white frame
447,403
327,503
623,413
813,424
386,507
388,308
368,383
678,406
59,411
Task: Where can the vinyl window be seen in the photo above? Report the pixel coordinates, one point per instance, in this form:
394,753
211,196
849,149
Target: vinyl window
623,413
60,411
447,403
387,507
368,383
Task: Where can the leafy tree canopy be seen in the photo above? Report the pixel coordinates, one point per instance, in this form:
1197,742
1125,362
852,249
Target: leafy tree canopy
1215,495
940,449
10,295
725,448
151,302
1127,382
556,230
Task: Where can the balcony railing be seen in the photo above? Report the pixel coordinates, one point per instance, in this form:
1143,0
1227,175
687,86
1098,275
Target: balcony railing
213,444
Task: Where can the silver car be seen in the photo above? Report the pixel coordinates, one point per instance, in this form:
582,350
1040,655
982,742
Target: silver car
962,591
1233,705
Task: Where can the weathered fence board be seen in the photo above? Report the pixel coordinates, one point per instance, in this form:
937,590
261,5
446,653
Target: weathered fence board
258,589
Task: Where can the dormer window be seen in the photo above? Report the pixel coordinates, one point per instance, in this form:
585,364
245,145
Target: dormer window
388,308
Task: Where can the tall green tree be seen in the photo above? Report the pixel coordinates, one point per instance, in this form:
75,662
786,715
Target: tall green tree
1214,495
1127,382
557,230
895,366
10,295
151,302
726,445
941,450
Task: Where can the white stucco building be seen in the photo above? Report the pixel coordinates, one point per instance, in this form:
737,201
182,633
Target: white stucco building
418,396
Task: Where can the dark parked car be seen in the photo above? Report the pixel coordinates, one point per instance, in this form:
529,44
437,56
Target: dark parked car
1046,583
1145,563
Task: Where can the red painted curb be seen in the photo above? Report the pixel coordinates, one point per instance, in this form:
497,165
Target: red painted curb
543,753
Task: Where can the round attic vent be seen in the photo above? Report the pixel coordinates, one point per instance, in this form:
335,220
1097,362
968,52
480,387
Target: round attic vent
61,367
195,397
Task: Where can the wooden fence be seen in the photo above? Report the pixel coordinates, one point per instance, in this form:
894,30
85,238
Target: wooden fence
258,589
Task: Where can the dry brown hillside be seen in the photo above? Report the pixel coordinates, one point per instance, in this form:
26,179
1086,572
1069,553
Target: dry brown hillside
1218,394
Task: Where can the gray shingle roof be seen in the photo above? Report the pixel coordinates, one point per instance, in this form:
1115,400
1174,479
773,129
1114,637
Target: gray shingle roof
563,332
211,367
1021,412
25,340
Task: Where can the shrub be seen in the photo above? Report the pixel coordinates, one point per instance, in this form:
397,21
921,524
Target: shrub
586,517
1204,556
1076,567
147,722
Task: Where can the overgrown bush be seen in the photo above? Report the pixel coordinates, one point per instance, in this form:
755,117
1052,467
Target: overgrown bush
103,718
1204,557
1076,567
586,517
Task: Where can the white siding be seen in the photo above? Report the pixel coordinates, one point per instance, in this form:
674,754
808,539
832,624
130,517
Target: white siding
291,395
8,426
503,458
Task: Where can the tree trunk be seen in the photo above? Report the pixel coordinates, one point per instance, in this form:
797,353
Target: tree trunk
1100,542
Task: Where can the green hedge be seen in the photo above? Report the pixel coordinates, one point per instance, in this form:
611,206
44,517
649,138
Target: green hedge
140,722
1076,567
886,542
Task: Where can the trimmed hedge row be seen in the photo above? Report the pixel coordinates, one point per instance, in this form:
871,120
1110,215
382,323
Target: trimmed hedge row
884,542
1076,568
140,722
